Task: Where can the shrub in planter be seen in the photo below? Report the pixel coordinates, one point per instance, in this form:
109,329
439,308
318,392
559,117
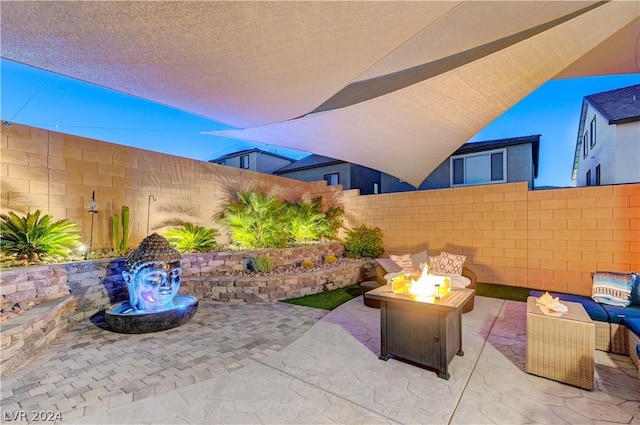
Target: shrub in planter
33,238
330,259
306,221
307,264
261,264
192,238
363,242
255,221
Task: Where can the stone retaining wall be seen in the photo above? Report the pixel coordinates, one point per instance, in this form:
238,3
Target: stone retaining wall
97,284
31,333
269,288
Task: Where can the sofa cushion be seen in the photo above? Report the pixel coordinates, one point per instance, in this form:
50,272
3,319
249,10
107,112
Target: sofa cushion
618,314
612,288
419,259
633,325
457,280
434,264
593,309
404,261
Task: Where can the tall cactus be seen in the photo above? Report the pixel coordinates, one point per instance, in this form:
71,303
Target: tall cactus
120,242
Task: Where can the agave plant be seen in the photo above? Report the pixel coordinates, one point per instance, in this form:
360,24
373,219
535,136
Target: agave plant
256,220
33,238
192,238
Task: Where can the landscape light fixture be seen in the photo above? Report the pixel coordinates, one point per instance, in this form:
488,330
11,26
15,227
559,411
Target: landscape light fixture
93,210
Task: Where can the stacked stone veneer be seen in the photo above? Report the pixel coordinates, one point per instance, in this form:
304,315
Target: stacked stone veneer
71,292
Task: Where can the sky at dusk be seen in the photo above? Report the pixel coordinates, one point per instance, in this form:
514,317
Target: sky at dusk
41,99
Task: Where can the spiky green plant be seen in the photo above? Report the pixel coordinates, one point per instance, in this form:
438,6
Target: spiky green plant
330,259
261,264
192,238
364,241
256,220
33,238
306,221
307,264
120,241
334,221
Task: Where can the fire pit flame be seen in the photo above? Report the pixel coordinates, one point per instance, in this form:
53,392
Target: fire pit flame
429,285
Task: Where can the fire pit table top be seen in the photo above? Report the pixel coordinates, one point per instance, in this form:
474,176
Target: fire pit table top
456,298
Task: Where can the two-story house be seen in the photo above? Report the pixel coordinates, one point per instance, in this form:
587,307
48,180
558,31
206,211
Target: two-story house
255,160
334,172
608,143
488,162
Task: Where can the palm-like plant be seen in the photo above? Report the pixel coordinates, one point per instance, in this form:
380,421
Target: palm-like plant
192,238
332,220
33,238
306,221
255,220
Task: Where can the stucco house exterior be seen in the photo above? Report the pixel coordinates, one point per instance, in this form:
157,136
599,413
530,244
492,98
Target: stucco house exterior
254,160
608,142
487,162
334,172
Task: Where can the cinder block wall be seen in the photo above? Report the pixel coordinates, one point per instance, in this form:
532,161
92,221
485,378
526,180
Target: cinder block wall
57,174
546,239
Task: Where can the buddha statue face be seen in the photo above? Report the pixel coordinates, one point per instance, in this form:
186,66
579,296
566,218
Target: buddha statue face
152,274
153,287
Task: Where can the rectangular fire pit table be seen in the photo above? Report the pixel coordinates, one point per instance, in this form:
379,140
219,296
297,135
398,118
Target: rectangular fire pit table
561,347
422,330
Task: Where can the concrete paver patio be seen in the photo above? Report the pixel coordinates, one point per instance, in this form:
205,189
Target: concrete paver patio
279,363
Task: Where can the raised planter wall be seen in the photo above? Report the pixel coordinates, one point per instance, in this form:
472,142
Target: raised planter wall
269,288
72,292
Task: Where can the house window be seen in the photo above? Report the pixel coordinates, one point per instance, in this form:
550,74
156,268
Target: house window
244,161
332,179
585,147
592,129
486,167
223,162
598,175
376,188
589,178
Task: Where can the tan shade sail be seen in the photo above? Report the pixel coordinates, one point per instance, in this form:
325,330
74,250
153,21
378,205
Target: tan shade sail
395,86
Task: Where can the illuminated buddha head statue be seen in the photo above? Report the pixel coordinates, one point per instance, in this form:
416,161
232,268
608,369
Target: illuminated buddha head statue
152,273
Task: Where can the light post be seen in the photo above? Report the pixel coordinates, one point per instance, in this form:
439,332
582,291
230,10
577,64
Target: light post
93,210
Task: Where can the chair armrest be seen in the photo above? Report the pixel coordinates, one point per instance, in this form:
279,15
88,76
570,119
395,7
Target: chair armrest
467,272
385,266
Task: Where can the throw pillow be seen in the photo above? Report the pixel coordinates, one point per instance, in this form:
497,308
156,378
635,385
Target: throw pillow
613,288
635,289
451,263
419,260
404,261
434,264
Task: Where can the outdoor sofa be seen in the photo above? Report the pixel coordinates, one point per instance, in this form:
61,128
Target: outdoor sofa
462,277
617,325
